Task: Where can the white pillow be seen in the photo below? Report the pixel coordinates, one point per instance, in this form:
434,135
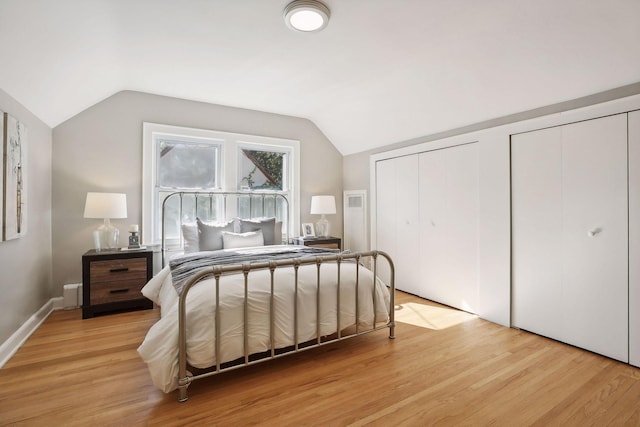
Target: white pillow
190,236
242,240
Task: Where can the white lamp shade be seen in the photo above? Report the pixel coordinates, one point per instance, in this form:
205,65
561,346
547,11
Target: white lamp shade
321,205
105,205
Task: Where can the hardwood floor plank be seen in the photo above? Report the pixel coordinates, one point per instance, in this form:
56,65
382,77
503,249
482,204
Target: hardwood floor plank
445,367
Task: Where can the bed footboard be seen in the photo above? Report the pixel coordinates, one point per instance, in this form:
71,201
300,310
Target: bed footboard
185,378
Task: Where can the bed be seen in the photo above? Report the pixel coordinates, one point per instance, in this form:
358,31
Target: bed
229,306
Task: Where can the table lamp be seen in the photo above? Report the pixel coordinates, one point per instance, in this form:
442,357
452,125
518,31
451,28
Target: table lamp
323,205
106,206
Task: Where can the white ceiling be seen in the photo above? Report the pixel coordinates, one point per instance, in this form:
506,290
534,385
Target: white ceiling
383,71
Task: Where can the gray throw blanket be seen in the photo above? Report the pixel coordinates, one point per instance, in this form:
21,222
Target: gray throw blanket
184,266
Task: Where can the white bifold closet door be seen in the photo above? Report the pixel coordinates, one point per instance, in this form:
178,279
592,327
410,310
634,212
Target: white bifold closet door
449,226
397,219
427,220
634,237
570,234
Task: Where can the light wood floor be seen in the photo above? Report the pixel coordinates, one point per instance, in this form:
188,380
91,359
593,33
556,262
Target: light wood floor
445,367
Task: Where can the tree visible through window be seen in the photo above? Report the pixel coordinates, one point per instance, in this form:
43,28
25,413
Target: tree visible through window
262,170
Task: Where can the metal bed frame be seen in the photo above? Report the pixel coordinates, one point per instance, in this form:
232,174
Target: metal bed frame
216,271
223,197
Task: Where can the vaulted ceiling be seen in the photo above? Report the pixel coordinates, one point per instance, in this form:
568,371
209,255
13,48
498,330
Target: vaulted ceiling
383,71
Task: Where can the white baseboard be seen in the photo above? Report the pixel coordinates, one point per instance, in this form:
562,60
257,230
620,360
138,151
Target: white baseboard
58,304
15,341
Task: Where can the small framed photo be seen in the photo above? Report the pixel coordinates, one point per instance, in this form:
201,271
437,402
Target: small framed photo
307,230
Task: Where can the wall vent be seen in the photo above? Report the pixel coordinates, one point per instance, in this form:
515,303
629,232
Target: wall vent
355,221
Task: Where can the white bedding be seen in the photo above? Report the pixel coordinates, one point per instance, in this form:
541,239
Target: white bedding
160,347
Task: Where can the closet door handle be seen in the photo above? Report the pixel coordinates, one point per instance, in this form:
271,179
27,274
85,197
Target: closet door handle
594,232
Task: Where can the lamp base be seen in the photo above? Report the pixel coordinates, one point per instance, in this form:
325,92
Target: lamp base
322,227
106,237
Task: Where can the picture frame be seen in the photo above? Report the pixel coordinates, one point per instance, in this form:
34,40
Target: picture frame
13,139
2,138
308,230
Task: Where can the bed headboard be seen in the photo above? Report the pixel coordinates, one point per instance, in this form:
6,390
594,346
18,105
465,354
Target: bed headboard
183,207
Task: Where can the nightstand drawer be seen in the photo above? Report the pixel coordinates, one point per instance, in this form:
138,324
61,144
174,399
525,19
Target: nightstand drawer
320,242
119,270
102,293
326,245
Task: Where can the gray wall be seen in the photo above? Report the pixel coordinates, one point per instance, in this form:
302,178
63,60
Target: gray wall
25,263
100,149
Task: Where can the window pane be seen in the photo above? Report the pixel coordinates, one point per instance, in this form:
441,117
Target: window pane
207,210
187,165
258,206
172,216
261,170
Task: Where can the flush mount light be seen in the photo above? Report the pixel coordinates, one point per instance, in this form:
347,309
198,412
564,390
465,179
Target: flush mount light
306,15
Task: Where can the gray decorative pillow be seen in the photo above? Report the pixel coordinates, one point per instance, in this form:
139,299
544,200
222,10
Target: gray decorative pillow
278,233
267,225
210,235
242,240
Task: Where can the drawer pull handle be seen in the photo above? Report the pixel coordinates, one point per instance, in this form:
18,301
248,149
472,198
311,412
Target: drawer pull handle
119,291
119,270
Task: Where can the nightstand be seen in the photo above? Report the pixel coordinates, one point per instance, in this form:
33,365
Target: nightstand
112,281
319,242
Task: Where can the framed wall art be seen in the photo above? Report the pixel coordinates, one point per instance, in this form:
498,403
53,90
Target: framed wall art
2,132
14,195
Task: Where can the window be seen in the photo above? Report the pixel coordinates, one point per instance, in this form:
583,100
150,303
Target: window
262,167
185,159
184,164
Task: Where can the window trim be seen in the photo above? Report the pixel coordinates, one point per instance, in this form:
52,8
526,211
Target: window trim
231,143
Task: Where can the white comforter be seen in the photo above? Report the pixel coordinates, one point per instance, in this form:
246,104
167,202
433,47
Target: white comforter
160,347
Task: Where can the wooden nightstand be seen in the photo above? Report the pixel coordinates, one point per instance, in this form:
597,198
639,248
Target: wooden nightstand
112,280
319,242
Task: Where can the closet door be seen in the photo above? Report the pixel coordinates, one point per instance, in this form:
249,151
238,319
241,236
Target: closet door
386,225
449,226
536,230
570,234
397,219
634,238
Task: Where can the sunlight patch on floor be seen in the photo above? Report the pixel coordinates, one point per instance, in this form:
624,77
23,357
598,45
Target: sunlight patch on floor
429,316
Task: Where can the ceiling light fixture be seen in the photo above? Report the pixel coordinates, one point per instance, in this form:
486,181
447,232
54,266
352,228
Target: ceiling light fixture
306,15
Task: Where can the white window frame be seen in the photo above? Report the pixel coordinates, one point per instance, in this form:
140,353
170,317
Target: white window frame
231,144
